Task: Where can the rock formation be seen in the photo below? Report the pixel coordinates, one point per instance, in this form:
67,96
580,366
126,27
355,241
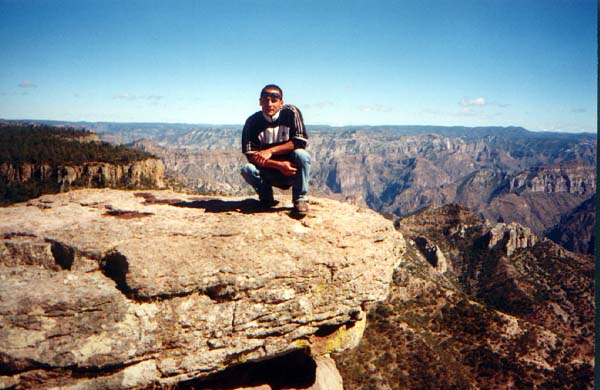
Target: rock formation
510,311
571,179
136,174
38,159
511,236
108,289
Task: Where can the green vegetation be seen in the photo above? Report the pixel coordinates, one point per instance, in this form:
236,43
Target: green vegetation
19,192
39,144
48,149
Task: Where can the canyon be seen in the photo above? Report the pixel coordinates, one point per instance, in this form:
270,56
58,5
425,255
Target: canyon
502,174
427,261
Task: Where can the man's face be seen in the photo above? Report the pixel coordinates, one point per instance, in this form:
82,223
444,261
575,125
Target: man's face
271,101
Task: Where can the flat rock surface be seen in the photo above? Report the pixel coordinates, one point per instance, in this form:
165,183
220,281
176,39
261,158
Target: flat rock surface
128,289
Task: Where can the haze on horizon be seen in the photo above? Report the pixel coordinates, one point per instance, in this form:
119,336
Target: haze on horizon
526,63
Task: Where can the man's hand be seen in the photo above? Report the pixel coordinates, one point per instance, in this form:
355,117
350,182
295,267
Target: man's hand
287,168
262,157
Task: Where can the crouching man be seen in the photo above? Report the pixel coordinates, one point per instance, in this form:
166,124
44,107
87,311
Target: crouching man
274,141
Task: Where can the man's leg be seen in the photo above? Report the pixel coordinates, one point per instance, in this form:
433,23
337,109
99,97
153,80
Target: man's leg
262,187
301,160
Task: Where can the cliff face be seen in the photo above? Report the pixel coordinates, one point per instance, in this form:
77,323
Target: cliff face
92,137
569,179
112,289
576,231
136,174
39,159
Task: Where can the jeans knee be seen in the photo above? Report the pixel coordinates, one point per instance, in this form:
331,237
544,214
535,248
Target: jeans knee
248,170
301,156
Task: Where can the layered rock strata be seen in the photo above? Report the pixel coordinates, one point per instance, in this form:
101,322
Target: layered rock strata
136,174
116,289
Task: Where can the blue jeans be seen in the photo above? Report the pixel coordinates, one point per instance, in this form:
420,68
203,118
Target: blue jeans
264,179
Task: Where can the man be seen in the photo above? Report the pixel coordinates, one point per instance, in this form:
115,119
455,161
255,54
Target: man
273,141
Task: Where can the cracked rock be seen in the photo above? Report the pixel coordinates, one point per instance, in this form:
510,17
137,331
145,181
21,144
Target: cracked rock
196,286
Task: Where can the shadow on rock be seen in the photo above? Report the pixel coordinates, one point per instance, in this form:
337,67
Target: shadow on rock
245,206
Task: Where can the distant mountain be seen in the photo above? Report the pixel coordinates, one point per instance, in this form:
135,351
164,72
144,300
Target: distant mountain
533,180
124,133
457,131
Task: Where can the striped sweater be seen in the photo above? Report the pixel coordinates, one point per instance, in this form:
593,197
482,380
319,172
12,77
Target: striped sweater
261,132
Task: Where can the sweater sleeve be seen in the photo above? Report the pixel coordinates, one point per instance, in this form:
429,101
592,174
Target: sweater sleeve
298,135
248,146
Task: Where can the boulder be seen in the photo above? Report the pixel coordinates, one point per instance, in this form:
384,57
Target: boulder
115,289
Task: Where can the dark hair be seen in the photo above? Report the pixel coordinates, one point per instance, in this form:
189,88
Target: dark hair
272,86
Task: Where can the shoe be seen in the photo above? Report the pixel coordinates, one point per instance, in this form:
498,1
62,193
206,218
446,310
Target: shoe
301,207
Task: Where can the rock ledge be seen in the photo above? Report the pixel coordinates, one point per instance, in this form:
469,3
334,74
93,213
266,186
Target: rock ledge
117,289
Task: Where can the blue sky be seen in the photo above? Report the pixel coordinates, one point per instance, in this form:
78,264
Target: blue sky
473,63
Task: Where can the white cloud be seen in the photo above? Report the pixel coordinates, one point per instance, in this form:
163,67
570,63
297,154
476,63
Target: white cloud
480,101
578,110
27,84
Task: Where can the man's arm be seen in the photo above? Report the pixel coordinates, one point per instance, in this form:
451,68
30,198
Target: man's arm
285,167
249,142
262,156
298,130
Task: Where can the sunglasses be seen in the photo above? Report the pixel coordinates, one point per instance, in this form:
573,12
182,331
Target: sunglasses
275,97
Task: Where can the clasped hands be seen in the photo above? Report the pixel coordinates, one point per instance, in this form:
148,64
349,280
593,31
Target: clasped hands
262,158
